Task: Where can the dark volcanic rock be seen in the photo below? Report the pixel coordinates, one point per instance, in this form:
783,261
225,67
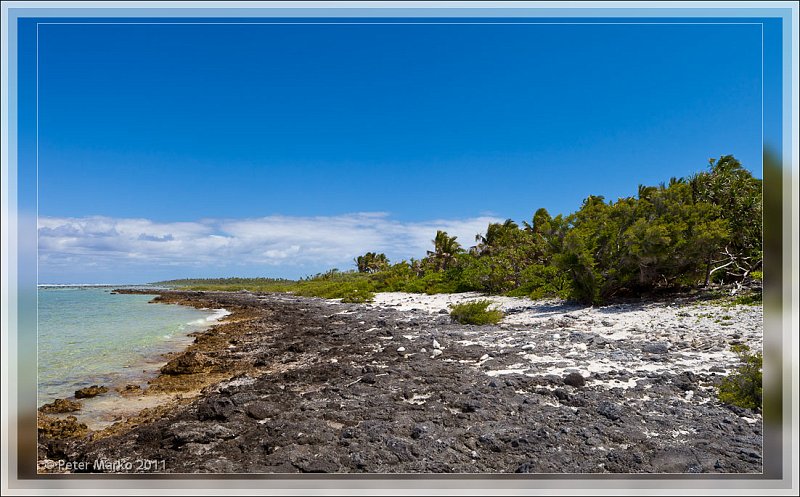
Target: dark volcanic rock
201,433
130,389
574,380
215,408
261,410
675,460
331,394
419,431
609,410
686,381
655,348
561,394
88,392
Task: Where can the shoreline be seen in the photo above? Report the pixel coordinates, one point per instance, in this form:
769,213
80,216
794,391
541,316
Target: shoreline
168,390
336,372
126,398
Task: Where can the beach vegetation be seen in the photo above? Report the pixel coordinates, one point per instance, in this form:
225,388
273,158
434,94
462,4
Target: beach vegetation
445,249
751,298
371,262
476,312
743,387
703,231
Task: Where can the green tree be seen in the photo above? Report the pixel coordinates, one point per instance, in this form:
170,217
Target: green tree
371,262
500,257
662,239
672,235
668,236
498,236
739,197
445,249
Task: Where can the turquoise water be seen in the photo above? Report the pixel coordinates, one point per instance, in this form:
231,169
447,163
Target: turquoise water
88,336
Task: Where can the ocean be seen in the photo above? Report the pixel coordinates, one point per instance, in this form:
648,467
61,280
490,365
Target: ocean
89,336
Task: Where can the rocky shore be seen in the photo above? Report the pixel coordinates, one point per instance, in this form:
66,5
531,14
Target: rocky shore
289,384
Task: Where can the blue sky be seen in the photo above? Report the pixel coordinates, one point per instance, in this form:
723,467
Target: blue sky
212,150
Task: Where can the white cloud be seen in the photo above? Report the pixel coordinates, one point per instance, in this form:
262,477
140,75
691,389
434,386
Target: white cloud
277,241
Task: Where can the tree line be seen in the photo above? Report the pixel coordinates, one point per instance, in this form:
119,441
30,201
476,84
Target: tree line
690,232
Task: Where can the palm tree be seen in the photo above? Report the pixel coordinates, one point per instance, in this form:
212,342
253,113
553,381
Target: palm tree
445,248
496,235
371,262
540,223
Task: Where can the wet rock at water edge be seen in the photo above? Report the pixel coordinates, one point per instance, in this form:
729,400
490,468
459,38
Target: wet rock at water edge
56,428
130,389
188,363
59,406
88,392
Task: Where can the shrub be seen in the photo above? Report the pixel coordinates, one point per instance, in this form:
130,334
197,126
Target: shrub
477,312
742,387
348,286
752,298
357,295
539,281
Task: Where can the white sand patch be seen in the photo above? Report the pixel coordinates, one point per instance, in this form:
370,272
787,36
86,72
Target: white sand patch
551,337
418,399
499,372
609,384
484,359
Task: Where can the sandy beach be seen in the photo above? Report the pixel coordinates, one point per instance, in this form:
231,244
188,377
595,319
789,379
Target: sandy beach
288,384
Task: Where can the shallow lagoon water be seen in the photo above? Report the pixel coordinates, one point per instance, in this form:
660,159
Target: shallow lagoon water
87,336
